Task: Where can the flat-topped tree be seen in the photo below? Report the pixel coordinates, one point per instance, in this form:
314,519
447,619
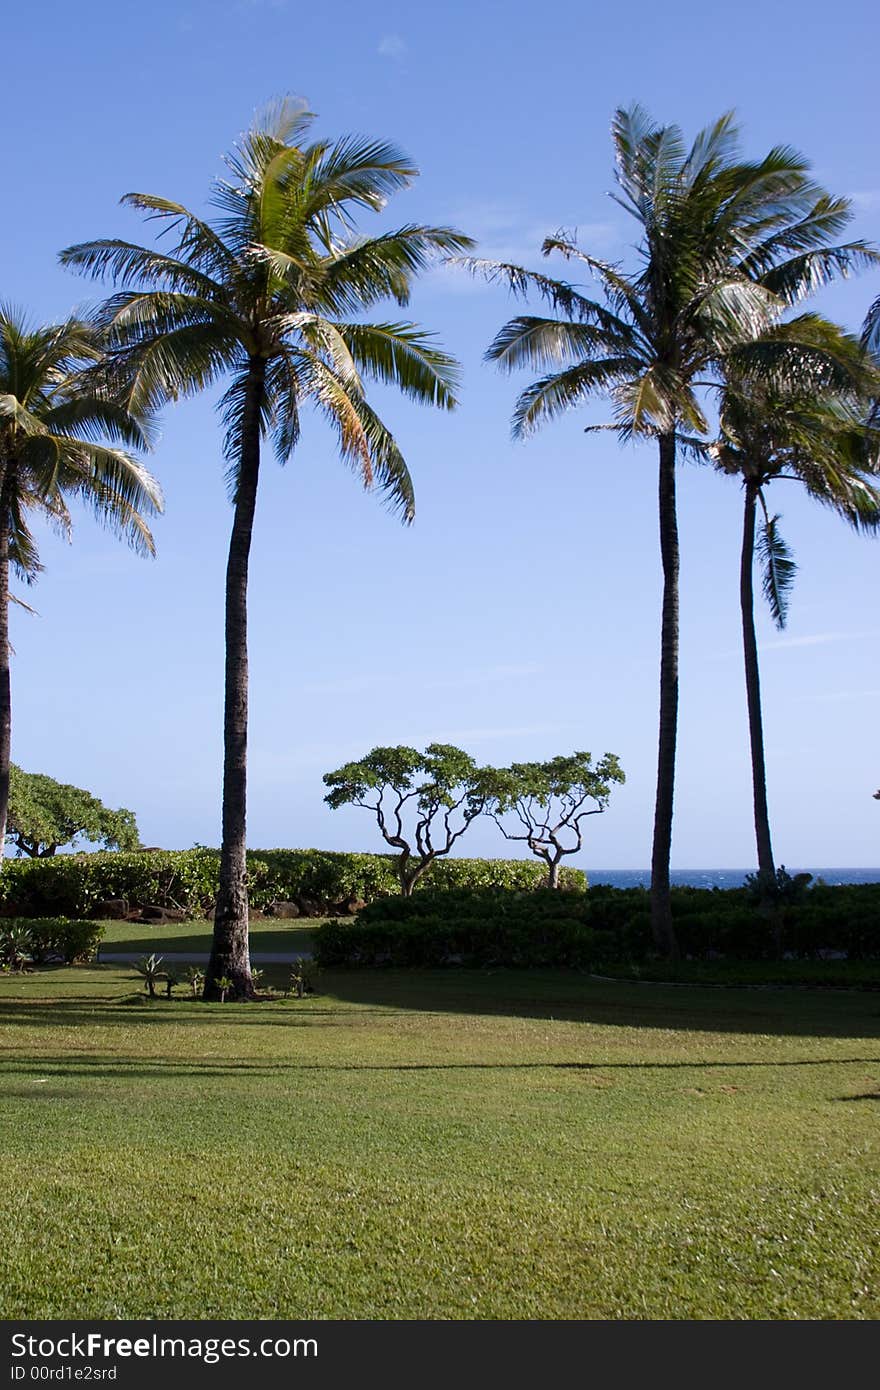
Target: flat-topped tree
550,801
45,814
423,802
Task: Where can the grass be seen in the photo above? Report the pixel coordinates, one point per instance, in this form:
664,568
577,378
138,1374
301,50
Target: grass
438,1145
267,934
840,974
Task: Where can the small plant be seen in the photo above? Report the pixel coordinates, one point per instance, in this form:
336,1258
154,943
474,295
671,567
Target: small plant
302,979
256,976
195,978
172,978
224,984
16,948
150,970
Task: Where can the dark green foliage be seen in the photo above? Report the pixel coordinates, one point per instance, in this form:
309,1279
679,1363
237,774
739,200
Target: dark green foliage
423,802
545,928
187,879
53,938
45,814
780,887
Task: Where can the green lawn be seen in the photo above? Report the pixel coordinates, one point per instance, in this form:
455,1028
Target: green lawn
439,1145
266,934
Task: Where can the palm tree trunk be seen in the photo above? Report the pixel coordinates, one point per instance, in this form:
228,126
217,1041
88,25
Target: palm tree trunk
5,688
766,866
230,955
661,904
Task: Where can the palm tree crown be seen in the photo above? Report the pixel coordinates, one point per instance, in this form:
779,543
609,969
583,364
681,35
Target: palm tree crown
275,280
63,434
268,296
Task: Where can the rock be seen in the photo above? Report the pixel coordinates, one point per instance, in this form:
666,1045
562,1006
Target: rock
153,913
283,909
309,907
110,910
347,907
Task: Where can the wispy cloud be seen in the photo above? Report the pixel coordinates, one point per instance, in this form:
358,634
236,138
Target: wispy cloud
832,696
484,735
504,232
461,680
392,46
813,640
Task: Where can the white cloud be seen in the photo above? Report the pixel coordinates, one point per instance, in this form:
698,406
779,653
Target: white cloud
392,46
462,680
814,640
506,233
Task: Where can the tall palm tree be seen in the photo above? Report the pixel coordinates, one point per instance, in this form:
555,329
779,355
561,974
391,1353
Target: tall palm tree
63,435
805,422
267,294
724,245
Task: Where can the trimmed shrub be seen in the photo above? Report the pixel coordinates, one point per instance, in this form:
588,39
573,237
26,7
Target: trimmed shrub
480,927
54,938
187,879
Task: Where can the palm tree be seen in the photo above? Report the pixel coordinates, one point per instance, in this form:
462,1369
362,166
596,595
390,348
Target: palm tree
724,245
805,423
62,433
267,296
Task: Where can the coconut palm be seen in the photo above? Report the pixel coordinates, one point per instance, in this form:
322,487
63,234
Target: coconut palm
266,295
724,245
804,422
63,435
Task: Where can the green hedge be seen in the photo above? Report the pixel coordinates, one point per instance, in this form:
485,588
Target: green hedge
53,938
72,884
481,928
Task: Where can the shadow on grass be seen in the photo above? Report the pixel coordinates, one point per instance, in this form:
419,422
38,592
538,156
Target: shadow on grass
560,996
568,997
128,1068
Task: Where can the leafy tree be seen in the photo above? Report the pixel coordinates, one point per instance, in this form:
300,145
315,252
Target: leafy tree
268,296
550,801
45,814
63,434
423,802
805,423
724,245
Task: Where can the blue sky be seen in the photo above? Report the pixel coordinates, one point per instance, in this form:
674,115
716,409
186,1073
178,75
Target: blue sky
519,616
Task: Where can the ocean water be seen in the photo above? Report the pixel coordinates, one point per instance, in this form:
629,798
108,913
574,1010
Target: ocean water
721,878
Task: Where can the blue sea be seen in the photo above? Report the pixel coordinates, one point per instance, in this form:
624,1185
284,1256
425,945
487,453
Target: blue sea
721,878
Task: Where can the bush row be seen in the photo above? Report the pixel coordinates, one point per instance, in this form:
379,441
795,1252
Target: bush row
500,927
48,938
187,879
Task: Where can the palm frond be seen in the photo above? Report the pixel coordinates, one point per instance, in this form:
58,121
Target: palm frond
359,275
554,394
405,356
528,341
390,472
778,568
